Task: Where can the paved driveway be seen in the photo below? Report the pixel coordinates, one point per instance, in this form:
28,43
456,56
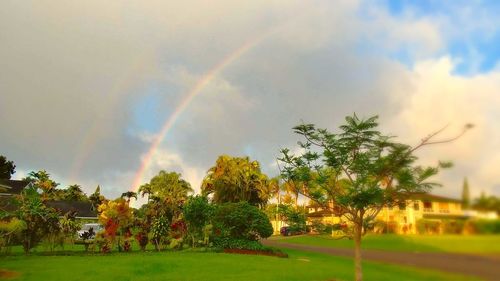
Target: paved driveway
481,266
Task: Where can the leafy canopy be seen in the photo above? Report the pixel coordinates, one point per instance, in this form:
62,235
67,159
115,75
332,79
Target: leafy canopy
358,168
235,179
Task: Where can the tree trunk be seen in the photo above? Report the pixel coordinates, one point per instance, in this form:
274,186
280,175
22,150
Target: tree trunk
358,230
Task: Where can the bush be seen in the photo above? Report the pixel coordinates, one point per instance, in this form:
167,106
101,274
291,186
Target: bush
453,226
486,226
197,215
428,226
241,221
241,244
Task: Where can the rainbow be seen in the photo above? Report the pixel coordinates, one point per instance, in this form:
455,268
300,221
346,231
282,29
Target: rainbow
89,140
192,94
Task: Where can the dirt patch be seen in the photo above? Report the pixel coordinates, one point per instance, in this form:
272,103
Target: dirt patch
7,274
256,252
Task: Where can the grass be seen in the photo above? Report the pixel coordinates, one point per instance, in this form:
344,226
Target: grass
207,266
477,244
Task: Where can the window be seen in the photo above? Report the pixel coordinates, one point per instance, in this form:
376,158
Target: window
427,206
416,206
402,205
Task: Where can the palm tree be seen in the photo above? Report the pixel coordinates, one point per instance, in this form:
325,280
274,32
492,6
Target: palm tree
145,189
129,195
41,180
74,193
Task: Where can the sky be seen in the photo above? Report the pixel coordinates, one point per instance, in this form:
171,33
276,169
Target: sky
111,92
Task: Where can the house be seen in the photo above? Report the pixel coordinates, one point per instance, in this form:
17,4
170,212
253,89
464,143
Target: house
9,188
423,207
418,210
82,210
12,187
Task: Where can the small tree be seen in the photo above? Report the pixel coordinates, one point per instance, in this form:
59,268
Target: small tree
465,195
7,168
40,220
117,218
235,179
359,169
197,213
96,198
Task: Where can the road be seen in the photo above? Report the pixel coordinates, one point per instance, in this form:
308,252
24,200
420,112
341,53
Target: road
486,267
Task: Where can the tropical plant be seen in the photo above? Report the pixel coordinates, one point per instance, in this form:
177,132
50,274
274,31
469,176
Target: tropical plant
7,168
197,213
40,220
41,180
74,193
117,218
129,195
359,169
235,179
241,221
10,229
167,192
96,198
466,195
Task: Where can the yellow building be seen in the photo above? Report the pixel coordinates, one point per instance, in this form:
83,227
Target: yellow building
430,210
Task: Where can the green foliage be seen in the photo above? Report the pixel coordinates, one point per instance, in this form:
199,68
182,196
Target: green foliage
466,195
425,226
159,231
7,168
487,203
40,220
235,243
486,226
241,221
197,213
41,180
453,226
235,179
96,198
294,217
357,168
10,231
74,193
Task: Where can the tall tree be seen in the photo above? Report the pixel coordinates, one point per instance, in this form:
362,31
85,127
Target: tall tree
235,179
96,198
359,169
466,195
74,192
167,191
145,189
42,180
7,168
129,195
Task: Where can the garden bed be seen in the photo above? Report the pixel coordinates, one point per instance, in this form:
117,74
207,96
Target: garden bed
274,253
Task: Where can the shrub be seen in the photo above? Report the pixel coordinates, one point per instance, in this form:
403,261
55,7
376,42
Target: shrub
486,226
453,226
234,243
425,226
197,215
241,221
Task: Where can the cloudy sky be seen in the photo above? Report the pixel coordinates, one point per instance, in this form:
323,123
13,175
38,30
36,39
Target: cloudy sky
86,87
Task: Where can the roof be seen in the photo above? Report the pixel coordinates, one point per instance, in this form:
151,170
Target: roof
432,197
82,209
12,186
7,204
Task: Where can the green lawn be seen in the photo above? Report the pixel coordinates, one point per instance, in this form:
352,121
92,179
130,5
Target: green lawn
206,266
479,244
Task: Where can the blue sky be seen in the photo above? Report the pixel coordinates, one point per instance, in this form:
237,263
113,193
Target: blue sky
477,50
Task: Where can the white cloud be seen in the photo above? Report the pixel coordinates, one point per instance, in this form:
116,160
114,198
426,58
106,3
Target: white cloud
438,98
